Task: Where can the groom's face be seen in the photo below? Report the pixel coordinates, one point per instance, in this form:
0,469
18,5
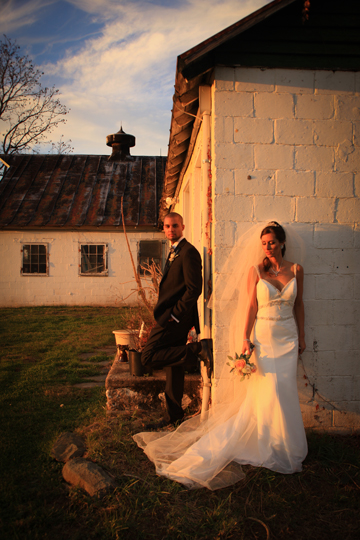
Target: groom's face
173,228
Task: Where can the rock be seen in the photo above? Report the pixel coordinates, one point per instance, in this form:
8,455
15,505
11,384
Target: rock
68,446
89,476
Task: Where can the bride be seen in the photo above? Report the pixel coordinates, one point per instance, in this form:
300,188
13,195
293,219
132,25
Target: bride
256,421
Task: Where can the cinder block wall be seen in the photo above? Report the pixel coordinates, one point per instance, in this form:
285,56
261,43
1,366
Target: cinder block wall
64,285
285,146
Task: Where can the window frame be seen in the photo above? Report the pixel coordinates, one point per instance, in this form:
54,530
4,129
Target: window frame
22,251
103,273
162,245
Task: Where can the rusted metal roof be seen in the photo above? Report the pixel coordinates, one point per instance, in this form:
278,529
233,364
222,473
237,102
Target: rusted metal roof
80,192
274,36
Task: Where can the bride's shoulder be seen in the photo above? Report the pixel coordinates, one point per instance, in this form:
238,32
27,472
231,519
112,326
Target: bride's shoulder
295,268
255,270
253,275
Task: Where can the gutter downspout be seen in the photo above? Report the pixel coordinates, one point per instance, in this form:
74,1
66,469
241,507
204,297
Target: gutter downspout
205,112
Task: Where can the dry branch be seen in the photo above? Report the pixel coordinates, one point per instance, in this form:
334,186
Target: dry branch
140,288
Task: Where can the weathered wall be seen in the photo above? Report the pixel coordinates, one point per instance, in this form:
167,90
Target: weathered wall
64,285
191,205
285,146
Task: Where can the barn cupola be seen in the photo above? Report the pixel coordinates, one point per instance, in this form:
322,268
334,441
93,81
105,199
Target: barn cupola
121,143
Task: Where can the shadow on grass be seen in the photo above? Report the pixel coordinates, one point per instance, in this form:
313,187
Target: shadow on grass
37,403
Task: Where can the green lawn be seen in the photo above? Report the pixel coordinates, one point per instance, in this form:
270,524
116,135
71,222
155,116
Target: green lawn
40,352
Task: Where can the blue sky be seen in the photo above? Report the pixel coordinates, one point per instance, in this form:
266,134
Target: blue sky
114,60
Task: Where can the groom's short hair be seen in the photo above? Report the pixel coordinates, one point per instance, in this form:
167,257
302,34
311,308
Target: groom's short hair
175,215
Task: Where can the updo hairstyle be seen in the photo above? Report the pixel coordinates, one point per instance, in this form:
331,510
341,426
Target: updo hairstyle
274,228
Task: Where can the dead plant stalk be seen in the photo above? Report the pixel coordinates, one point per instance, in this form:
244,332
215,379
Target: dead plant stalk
140,288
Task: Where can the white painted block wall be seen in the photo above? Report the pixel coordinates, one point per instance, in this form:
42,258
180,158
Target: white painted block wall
64,285
285,146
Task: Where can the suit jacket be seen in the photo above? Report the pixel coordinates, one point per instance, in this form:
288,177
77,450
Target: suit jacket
180,287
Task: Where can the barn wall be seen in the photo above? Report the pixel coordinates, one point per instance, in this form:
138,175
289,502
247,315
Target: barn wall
285,147
64,285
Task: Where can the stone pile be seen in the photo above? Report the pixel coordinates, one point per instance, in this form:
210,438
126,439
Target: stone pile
70,448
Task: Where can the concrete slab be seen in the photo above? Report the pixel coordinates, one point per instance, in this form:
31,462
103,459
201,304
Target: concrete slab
149,386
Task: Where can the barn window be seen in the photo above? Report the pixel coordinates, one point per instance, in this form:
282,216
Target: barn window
150,251
93,259
34,259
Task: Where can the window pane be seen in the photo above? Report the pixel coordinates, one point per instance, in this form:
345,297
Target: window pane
149,251
100,262
93,259
150,248
84,265
34,259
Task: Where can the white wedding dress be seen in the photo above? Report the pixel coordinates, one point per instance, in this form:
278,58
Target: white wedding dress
260,424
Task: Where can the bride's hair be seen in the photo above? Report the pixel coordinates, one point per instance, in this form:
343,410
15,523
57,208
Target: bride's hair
274,228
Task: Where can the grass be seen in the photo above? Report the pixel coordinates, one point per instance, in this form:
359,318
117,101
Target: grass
40,361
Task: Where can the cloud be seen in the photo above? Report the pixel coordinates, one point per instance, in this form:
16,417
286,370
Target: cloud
15,15
143,41
127,73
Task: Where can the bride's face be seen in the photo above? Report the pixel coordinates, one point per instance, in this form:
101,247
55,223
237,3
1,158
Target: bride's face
271,245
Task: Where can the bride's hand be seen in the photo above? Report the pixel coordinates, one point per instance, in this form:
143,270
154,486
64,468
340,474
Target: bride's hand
247,347
302,345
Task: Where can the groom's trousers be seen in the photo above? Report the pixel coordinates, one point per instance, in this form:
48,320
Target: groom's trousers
166,349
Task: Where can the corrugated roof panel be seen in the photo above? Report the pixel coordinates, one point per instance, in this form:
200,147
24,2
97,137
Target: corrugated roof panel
67,193
99,195
133,188
48,201
82,200
148,198
21,184
35,192
112,214
80,191
6,184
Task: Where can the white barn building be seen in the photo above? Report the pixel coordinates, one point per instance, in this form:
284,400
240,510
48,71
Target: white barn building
265,126
61,229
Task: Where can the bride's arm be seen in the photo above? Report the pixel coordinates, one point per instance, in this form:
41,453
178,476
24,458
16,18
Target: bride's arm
299,308
252,309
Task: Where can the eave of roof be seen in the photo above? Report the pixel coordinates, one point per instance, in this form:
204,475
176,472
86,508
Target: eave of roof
186,59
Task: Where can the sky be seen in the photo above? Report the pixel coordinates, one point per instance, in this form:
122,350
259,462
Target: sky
114,61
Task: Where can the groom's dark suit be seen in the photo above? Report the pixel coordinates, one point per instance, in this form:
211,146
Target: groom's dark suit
166,347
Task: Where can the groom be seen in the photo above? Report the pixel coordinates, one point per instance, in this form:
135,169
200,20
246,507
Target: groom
175,314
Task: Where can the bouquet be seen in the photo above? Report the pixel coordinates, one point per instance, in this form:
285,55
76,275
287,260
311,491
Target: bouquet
242,365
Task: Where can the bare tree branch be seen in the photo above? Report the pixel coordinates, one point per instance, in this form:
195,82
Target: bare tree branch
28,111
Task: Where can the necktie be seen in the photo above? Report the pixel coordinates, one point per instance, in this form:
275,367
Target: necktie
167,264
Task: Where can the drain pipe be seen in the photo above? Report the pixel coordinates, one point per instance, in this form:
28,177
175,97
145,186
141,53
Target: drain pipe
205,110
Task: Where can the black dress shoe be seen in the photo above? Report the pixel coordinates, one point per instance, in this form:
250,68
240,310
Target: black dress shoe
206,354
